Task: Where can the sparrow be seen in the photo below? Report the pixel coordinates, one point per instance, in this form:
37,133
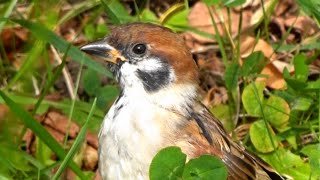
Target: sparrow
158,106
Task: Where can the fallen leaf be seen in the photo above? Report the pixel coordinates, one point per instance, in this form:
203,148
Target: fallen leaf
280,65
90,158
284,7
249,45
274,78
261,12
56,134
60,123
92,140
199,18
98,176
28,138
3,111
303,24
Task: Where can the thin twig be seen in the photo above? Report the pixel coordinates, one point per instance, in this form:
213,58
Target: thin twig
66,75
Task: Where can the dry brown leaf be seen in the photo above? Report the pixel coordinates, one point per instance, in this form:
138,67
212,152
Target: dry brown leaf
285,7
3,111
303,24
274,80
90,158
199,18
280,65
68,175
60,122
56,134
249,45
13,39
28,139
216,95
98,176
259,14
92,140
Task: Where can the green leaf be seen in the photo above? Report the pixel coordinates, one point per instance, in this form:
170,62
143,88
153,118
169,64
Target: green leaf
39,131
252,97
43,153
231,76
89,31
12,159
276,111
148,16
313,85
177,20
295,84
253,64
44,34
260,137
205,167
28,64
311,7
211,2
301,70
102,30
106,95
302,46
285,162
301,104
224,114
233,3
91,82
313,152
167,164
116,12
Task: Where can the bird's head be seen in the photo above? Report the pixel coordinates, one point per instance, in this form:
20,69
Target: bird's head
147,57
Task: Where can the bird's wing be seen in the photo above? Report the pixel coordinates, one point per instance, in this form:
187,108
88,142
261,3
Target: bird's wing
206,135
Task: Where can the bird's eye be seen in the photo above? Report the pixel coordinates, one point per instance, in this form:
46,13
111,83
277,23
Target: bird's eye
139,49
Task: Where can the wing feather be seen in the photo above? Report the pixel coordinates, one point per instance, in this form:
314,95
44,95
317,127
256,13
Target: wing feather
206,135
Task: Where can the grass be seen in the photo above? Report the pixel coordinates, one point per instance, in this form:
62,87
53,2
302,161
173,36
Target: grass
282,117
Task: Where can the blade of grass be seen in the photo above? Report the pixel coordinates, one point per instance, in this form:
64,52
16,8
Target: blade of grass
78,9
30,60
218,38
51,81
264,119
136,8
44,34
76,145
7,13
73,105
48,85
39,131
24,100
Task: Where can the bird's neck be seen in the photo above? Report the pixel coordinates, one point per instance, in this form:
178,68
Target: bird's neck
177,97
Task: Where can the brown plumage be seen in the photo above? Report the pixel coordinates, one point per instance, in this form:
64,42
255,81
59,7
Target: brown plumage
158,107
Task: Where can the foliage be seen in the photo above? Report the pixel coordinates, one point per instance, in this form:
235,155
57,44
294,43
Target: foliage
278,118
170,163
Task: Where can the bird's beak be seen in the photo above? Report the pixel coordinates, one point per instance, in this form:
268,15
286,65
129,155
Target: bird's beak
103,51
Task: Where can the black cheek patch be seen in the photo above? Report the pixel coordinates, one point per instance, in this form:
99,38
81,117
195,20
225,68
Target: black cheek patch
154,80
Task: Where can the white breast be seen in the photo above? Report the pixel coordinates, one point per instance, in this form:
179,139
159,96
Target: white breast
134,130
129,138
